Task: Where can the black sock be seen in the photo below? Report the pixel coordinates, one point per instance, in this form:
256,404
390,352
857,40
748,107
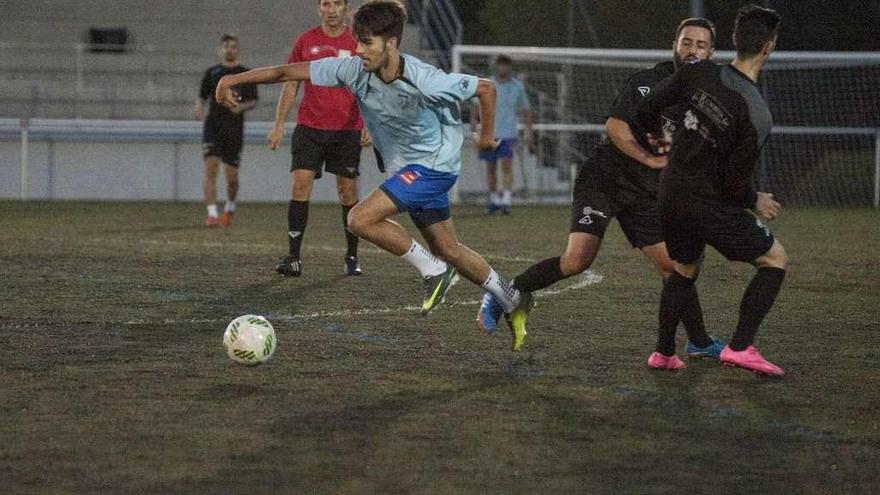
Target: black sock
674,302
350,239
542,274
297,218
692,319
756,303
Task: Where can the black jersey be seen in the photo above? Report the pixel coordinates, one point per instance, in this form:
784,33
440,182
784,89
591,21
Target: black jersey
724,126
638,86
218,114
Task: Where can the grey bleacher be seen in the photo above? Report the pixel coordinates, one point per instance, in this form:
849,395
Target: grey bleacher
173,41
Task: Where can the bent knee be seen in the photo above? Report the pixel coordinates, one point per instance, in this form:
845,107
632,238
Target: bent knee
776,257
572,263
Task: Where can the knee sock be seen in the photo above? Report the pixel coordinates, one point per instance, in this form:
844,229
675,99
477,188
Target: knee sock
297,219
426,263
692,319
756,303
540,275
673,304
351,240
503,291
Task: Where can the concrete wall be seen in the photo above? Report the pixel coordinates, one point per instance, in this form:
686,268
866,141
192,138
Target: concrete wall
173,171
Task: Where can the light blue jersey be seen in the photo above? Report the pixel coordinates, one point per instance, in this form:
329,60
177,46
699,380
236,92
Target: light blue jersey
512,99
415,119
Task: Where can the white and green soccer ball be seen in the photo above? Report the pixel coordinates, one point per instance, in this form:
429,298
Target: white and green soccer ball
249,340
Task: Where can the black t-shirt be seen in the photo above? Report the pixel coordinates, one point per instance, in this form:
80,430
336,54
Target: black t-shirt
723,128
632,173
218,113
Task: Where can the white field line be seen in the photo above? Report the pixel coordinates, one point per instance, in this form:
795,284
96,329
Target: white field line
246,245
584,280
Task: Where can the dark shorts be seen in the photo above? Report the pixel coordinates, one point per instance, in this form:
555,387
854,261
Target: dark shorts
504,150
733,231
223,141
337,152
421,192
601,195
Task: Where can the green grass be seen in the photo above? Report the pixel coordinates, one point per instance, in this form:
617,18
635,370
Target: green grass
114,379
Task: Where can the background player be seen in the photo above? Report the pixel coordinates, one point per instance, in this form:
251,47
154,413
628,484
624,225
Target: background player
413,112
223,131
329,135
621,180
707,190
513,102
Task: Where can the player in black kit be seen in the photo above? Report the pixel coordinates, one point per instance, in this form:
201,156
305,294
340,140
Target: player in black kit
707,195
621,181
223,131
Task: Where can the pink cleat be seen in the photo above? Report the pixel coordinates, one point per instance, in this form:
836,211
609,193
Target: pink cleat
750,359
658,361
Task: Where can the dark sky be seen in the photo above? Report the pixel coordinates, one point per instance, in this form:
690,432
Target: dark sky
807,24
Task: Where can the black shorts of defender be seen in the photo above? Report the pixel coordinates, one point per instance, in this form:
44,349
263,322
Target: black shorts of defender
734,232
599,196
337,152
223,141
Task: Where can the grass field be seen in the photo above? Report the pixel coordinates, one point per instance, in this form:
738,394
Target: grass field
114,379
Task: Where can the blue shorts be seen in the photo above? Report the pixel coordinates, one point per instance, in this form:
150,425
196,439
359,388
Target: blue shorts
504,150
422,192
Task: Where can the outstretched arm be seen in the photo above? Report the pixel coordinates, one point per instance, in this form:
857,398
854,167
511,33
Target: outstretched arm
486,94
263,75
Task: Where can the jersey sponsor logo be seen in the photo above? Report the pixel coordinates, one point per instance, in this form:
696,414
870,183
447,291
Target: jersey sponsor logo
408,177
588,213
294,234
691,121
644,90
711,108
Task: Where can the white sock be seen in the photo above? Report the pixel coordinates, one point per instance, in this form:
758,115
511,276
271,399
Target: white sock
426,263
230,207
507,198
495,196
212,210
506,295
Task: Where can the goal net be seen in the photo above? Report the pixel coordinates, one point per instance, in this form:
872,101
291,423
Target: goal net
825,148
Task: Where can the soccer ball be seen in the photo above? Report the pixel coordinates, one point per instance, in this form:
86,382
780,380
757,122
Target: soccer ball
249,340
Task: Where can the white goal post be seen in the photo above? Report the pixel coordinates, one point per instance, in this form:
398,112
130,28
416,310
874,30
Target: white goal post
825,149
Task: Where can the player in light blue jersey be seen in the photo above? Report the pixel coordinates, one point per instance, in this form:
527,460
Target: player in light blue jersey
513,103
412,111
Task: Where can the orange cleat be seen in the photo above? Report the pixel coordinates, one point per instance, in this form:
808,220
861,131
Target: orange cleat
226,218
211,222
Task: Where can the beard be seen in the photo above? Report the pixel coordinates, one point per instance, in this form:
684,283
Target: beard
679,61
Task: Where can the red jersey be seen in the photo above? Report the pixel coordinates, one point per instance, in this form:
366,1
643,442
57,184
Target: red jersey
330,109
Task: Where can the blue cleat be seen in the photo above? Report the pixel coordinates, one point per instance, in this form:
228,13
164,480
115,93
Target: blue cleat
713,350
489,313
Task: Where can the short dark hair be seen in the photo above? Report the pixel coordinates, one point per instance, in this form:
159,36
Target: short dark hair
503,60
698,22
754,27
228,37
383,18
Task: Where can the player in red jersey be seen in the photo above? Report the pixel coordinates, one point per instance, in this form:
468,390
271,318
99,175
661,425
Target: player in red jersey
329,135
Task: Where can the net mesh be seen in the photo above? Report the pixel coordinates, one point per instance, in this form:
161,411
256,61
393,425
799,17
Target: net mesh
825,107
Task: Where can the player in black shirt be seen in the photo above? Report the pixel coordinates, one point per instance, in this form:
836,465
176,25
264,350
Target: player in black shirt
223,131
707,191
621,180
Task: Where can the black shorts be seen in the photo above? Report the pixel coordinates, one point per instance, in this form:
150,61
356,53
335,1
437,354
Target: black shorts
223,141
601,194
337,152
691,224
